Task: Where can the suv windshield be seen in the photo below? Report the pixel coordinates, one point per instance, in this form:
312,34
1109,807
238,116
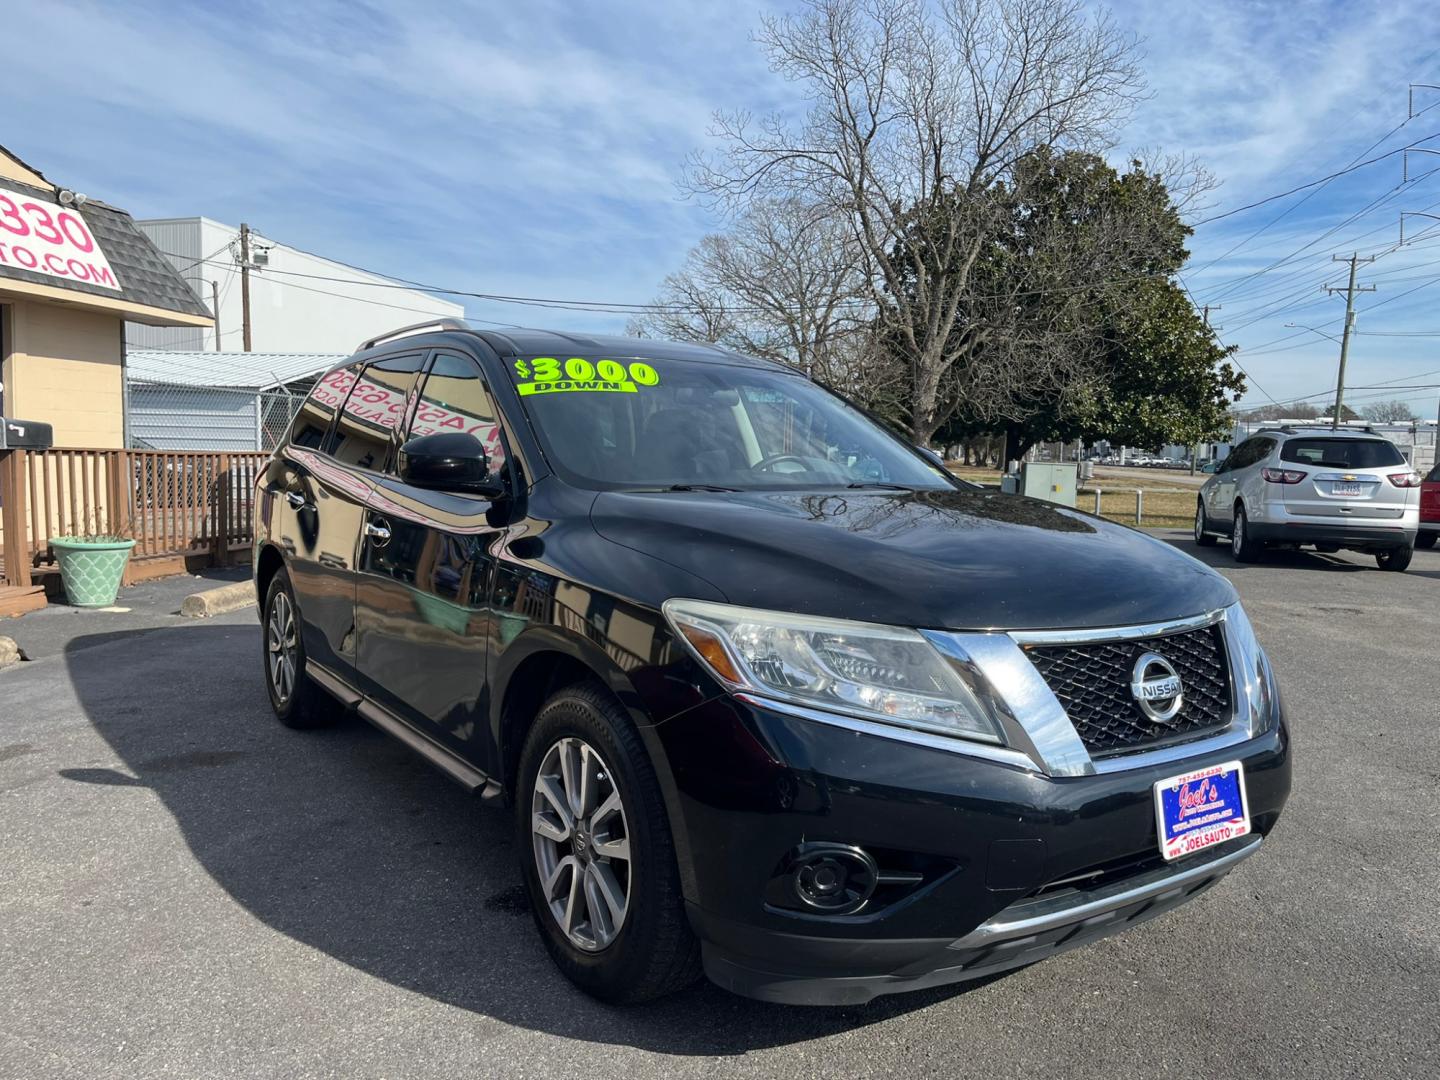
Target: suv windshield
607,423
1343,453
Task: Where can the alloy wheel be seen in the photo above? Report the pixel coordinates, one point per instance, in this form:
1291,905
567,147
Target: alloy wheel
1237,535
280,645
581,843
1199,522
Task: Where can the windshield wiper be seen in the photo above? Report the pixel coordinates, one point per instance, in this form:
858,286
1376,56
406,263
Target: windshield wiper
879,484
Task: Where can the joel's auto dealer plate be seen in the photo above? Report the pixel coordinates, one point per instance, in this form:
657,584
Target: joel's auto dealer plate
1200,809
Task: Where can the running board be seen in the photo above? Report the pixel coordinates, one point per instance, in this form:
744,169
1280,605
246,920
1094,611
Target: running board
451,764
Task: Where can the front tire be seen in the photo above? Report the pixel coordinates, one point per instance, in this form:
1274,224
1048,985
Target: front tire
597,855
297,701
1202,537
1396,559
1243,546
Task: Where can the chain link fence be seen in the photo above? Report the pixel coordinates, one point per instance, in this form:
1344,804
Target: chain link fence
177,416
215,401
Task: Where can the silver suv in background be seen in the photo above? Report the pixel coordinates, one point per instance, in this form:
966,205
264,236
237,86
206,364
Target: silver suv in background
1334,489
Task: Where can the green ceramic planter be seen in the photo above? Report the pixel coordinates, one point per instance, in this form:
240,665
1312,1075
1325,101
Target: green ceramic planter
91,570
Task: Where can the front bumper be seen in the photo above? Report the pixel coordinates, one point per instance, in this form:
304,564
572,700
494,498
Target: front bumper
1028,864
1023,933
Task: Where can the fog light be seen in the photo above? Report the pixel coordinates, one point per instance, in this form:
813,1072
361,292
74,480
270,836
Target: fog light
834,878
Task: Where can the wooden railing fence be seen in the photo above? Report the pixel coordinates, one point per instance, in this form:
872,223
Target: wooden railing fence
175,505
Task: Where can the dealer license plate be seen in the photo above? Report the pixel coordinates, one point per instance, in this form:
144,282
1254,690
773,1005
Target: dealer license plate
1347,489
1200,809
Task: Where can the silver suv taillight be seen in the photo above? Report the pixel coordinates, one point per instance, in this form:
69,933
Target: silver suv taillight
1283,476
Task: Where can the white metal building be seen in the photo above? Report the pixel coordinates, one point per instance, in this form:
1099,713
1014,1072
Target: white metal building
215,401
289,313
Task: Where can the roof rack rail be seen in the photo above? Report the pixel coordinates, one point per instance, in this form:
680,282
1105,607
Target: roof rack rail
445,323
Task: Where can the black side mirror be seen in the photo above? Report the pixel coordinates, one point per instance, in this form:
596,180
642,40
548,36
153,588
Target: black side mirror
449,461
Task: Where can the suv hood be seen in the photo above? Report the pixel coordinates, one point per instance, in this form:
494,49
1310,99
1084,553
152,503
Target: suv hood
935,559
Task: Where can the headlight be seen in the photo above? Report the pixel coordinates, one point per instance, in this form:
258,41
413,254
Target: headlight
882,673
1259,692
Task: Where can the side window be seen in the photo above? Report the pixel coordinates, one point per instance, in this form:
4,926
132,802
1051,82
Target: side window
312,422
454,398
367,432
1248,453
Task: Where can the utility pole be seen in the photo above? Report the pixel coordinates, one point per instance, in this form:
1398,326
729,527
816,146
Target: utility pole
215,310
245,286
1350,290
1195,450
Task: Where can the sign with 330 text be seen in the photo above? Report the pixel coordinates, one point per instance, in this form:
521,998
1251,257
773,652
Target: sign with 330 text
47,238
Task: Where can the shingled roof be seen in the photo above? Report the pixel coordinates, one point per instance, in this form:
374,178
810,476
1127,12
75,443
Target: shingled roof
145,276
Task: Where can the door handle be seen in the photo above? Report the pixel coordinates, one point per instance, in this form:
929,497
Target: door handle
379,533
295,499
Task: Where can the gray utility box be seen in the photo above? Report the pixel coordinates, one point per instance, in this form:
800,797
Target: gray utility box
1052,482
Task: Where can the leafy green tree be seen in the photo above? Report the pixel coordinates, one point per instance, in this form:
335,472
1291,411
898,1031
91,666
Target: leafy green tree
1075,328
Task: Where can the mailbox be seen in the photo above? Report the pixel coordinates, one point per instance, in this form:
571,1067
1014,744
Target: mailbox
25,435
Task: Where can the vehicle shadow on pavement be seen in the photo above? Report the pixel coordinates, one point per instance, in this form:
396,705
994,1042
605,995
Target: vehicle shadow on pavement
345,841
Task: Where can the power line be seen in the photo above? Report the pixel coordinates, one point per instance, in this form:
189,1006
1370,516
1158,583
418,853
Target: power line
1312,183
1321,187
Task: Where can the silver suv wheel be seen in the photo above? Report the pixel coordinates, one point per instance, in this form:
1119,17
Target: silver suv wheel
280,647
581,843
1237,534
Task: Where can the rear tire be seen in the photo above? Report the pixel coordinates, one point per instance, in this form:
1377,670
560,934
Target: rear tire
1243,546
1426,540
1396,559
1202,537
649,950
297,701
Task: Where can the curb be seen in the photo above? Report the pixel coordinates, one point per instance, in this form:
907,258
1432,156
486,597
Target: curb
202,605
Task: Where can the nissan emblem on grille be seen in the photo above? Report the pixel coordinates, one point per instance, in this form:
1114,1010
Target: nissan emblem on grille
1155,685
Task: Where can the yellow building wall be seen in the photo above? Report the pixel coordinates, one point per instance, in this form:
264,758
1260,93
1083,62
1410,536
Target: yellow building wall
11,169
64,369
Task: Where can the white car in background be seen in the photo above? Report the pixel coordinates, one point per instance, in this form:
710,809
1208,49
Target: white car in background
1334,489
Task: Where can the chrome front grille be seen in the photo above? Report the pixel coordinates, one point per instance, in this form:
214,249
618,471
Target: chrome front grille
1092,682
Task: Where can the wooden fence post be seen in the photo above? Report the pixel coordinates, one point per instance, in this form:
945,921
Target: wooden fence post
12,518
222,513
119,492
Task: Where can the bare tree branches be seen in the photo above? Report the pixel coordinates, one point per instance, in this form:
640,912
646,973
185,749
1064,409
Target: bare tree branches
916,113
785,282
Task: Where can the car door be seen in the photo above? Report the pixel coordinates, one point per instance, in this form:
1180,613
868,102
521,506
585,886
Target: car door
316,505
426,569
1221,505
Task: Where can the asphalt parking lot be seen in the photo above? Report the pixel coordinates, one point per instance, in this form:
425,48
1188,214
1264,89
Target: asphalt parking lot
190,890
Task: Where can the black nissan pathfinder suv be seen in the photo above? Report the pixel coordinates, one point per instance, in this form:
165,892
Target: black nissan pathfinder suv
768,692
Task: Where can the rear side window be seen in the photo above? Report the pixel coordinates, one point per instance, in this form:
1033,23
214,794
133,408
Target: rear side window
1343,453
1249,452
312,422
367,433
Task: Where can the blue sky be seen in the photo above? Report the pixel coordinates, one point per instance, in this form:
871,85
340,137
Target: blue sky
531,149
